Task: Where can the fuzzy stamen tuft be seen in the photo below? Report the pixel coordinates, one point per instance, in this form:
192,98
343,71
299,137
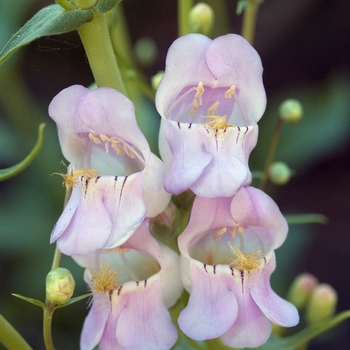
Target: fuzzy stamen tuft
245,261
105,279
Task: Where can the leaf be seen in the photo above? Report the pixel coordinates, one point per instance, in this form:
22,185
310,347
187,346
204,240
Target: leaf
74,300
30,300
311,218
50,20
14,170
303,337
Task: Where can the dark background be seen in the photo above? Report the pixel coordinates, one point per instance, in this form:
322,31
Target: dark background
304,46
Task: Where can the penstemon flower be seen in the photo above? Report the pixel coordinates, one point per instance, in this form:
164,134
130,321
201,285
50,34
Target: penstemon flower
210,99
227,260
116,181
132,285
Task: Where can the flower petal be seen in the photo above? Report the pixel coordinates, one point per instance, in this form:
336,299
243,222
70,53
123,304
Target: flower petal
95,322
233,61
251,328
155,197
77,110
186,56
212,307
85,232
254,208
144,322
275,308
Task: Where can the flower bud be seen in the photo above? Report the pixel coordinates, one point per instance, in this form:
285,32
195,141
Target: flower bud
146,51
201,19
300,290
60,286
291,111
156,79
280,173
322,304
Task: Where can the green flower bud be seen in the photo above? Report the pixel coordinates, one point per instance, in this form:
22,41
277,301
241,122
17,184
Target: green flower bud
300,290
60,286
291,111
279,173
322,304
201,19
156,79
146,51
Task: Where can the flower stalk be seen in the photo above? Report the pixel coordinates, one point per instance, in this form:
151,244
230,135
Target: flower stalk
183,10
99,50
48,313
271,154
249,20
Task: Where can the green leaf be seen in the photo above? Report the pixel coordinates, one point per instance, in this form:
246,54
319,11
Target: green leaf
14,170
74,300
303,337
50,20
311,218
30,300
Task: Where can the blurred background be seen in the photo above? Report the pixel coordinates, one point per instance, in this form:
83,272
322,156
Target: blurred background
305,49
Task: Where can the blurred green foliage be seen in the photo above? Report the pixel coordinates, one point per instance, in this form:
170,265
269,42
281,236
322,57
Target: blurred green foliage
31,202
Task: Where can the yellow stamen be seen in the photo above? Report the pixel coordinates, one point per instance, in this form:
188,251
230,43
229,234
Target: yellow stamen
104,279
195,106
128,151
245,262
114,141
212,108
219,232
71,179
229,93
118,149
233,230
94,138
217,122
200,90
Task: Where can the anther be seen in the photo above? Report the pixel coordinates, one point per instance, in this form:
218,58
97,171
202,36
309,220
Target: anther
219,232
230,92
212,108
118,149
128,152
195,106
200,90
94,138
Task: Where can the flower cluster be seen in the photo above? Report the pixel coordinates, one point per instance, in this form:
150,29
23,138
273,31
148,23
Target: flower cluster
210,100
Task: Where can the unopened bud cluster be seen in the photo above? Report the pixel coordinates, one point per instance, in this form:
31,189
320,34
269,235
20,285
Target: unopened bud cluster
319,300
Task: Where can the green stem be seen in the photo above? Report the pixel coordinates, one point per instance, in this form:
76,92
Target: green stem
271,154
10,338
48,313
249,20
57,256
183,9
99,50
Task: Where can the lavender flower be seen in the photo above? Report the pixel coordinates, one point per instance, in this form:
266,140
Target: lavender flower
210,99
116,181
132,285
227,259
